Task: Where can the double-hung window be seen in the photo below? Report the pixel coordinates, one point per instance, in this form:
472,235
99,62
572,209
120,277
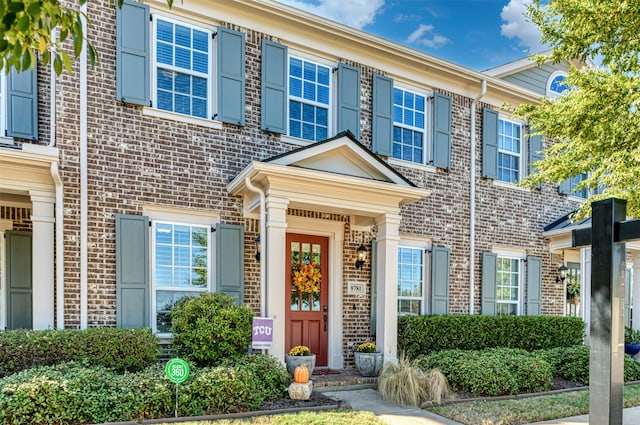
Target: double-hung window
409,126
181,260
411,281
509,150
573,184
309,99
507,286
182,70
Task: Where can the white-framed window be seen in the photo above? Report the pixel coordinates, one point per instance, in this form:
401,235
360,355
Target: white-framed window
510,150
509,282
412,283
310,91
182,68
410,138
556,84
181,257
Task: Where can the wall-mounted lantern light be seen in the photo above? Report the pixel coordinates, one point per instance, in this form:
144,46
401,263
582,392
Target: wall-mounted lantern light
362,256
562,273
257,240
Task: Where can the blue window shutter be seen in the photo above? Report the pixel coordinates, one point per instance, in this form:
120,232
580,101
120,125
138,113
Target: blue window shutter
374,287
274,87
440,280
19,248
535,152
534,285
489,271
382,115
231,85
490,143
627,297
349,99
230,260
565,187
133,71
22,103
441,130
132,271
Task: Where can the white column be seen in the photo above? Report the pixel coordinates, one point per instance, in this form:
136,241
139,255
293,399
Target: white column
275,246
42,220
585,289
387,303
635,315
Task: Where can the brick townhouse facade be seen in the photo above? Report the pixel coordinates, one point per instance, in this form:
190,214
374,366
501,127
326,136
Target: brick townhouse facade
221,146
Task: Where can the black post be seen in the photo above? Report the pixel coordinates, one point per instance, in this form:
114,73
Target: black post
606,376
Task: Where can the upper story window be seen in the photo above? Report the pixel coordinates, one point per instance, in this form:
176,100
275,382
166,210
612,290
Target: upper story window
573,183
309,99
556,85
182,72
409,125
509,150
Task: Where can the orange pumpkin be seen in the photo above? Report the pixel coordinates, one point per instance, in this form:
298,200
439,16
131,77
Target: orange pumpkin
301,374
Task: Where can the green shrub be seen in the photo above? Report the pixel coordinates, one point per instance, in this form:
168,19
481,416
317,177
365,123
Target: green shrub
121,349
210,328
425,334
491,372
16,351
269,371
570,363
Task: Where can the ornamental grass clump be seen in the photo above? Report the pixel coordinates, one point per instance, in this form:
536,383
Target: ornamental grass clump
366,347
300,350
406,384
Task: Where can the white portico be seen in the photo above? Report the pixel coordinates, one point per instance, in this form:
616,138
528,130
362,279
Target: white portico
339,176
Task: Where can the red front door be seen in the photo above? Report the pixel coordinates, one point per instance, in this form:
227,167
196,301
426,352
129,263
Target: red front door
307,286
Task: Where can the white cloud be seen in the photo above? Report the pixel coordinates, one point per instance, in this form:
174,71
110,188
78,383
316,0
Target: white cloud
425,36
402,17
518,26
355,13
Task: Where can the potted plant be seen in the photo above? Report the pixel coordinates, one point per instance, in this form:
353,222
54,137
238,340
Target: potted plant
300,355
368,360
573,289
631,341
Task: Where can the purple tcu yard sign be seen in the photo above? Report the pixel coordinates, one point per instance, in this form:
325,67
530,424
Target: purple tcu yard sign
262,333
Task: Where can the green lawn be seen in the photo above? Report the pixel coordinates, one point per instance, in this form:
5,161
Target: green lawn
340,417
527,410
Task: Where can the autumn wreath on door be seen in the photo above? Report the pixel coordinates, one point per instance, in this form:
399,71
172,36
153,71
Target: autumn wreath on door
307,279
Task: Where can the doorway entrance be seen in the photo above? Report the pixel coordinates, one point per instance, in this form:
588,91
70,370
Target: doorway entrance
307,312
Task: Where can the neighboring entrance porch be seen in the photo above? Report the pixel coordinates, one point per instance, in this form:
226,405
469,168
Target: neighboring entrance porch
336,176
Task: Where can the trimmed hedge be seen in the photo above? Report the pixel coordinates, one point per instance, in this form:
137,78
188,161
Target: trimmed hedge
491,372
210,328
116,348
419,335
73,393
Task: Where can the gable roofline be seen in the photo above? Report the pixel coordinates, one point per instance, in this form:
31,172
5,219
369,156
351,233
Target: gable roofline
523,64
352,140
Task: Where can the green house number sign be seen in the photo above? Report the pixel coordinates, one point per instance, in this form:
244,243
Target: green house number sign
177,370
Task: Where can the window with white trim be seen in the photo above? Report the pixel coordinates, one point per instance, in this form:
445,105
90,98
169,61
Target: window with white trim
508,293
181,265
309,99
182,71
556,84
509,150
411,280
409,126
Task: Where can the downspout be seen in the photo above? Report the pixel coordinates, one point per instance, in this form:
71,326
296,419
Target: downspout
83,178
263,253
472,196
55,174
52,108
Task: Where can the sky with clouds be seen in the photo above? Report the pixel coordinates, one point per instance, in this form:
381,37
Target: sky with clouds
478,34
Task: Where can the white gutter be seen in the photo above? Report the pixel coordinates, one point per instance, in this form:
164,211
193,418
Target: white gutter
59,223
52,109
472,196
83,178
263,252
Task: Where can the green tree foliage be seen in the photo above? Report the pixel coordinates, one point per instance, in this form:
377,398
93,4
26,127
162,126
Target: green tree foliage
26,30
596,126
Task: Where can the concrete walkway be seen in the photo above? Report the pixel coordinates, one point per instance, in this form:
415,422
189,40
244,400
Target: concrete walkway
393,414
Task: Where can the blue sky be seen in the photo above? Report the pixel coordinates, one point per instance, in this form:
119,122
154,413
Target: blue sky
478,34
